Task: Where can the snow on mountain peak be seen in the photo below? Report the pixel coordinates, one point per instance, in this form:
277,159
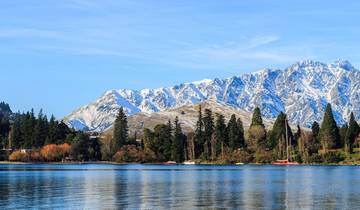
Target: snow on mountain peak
302,91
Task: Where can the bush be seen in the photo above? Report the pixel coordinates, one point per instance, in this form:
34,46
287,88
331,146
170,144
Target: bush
315,158
131,154
333,157
53,152
264,157
19,156
238,156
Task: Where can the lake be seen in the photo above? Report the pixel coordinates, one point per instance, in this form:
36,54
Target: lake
105,186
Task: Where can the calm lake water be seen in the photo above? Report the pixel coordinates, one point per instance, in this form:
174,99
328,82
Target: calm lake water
97,186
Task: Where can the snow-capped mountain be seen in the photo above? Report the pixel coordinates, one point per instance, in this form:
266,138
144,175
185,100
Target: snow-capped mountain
302,91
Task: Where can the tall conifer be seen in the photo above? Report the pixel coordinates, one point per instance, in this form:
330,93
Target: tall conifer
329,132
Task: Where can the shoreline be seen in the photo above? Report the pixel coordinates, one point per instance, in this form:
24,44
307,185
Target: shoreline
161,164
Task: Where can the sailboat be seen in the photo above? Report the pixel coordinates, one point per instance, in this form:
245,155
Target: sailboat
287,161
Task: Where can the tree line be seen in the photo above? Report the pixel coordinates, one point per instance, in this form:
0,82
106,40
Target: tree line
215,140
44,138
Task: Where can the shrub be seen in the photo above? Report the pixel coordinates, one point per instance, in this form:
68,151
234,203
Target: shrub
237,156
19,156
53,152
315,158
35,156
333,157
264,157
130,154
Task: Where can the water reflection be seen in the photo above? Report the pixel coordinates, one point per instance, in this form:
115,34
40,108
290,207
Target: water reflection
182,187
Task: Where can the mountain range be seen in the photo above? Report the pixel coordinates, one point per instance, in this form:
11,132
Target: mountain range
301,90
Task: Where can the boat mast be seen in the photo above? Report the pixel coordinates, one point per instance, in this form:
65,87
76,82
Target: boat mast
286,139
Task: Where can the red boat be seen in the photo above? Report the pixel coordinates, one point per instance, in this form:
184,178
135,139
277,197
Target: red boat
284,163
170,163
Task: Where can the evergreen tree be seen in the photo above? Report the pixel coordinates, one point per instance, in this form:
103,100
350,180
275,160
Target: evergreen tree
298,133
208,121
15,133
220,134
235,135
342,131
4,129
163,140
329,132
120,129
5,109
351,134
315,128
178,143
62,132
40,130
199,139
159,136
168,141
148,140
257,119
80,148
52,138
256,136
242,132
277,138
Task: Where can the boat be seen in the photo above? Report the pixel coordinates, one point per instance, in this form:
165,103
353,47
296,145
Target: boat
239,164
284,163
189,163
170,163
287,161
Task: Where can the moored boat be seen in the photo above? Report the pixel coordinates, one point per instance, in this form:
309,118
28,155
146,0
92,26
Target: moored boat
239,164
287,161
170,163
284,163
189,163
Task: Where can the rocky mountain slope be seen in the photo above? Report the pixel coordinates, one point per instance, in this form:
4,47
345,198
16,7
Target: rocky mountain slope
301,90
188,115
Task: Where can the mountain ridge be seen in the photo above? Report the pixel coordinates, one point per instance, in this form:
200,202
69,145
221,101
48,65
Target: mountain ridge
301,90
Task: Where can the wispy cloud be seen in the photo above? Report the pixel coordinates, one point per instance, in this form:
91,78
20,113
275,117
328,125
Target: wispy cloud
258,41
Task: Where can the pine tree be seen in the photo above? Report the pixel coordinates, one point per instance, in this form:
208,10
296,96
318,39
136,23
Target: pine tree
120,129
148,140
168,141
256,136
208,121
15,139
51,137
241,132
178,143
163,140
4,129
220,134
233,133
351,134
315,128
342,131
40,130
277,138
257,119
199,135
329,132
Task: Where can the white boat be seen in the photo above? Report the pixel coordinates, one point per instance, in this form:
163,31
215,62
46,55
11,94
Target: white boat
189,163
239,164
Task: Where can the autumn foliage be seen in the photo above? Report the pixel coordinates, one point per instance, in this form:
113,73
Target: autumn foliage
53,152
19,156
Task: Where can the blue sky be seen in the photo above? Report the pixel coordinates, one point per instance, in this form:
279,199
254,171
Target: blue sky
59,55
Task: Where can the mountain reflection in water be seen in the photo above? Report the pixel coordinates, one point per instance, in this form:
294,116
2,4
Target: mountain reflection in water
98,186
